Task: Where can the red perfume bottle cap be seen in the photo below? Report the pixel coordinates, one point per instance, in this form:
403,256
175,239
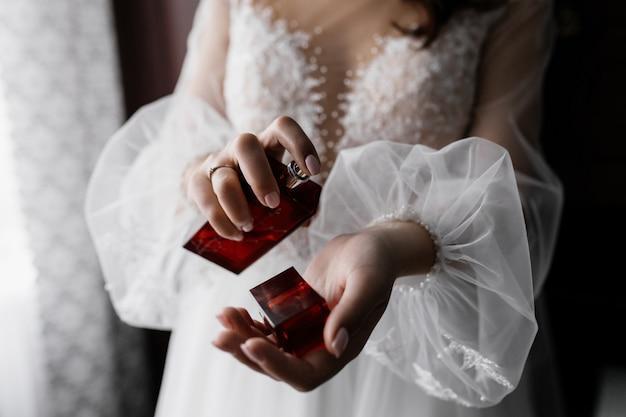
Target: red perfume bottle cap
294,311
298,203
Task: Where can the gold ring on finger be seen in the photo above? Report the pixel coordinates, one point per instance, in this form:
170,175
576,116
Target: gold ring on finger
215,168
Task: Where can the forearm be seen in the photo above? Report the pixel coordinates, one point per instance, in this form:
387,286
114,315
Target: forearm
408,245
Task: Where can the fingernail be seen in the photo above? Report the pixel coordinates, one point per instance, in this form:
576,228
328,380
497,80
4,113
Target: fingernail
238,237
272,199
312,164
247,227
340,342
250,353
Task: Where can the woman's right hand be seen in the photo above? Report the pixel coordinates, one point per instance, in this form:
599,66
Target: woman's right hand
220,197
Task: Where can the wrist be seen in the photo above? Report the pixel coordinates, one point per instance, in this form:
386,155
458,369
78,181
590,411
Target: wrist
407,245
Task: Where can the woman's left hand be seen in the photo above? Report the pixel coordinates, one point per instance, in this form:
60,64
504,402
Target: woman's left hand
355,274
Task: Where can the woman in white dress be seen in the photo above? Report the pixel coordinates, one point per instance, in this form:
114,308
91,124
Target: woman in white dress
435,228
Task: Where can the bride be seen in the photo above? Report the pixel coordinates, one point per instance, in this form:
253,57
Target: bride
436,223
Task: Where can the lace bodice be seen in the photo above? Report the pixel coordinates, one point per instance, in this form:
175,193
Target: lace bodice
398,92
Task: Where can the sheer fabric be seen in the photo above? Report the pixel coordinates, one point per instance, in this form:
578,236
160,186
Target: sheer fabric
388,118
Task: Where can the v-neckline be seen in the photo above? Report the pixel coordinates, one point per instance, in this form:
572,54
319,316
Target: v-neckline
327,144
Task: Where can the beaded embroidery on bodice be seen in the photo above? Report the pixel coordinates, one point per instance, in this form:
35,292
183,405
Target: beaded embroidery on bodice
402,93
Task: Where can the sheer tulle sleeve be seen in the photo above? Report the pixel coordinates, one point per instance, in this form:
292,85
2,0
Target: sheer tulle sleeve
463,332
136,209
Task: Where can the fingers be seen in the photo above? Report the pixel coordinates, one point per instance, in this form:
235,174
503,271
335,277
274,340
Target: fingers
248,345
254,323
227,188
245,315
201,192
285,133
239,327
230,342
252,160
356,305
221,198
280,365
238,320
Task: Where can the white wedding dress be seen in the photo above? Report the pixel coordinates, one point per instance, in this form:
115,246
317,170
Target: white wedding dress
388,116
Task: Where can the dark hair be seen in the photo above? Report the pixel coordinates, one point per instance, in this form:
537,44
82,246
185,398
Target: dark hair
440,11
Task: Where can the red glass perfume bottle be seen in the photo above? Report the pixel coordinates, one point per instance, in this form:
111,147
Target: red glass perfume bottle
298,203
294,311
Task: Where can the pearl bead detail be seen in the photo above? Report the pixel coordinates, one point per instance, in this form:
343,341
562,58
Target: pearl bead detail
408,214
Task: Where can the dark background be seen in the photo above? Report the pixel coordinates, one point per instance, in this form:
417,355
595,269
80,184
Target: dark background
585,142
583,139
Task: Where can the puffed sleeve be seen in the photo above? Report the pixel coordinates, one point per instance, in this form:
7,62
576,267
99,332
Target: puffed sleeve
136,209
463,332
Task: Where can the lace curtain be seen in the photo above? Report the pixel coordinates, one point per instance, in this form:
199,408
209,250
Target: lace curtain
61,100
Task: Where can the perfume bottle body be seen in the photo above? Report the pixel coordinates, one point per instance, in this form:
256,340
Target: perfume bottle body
294,311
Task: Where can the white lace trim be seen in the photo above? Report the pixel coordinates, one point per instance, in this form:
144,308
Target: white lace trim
390,351
433,387
484,367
